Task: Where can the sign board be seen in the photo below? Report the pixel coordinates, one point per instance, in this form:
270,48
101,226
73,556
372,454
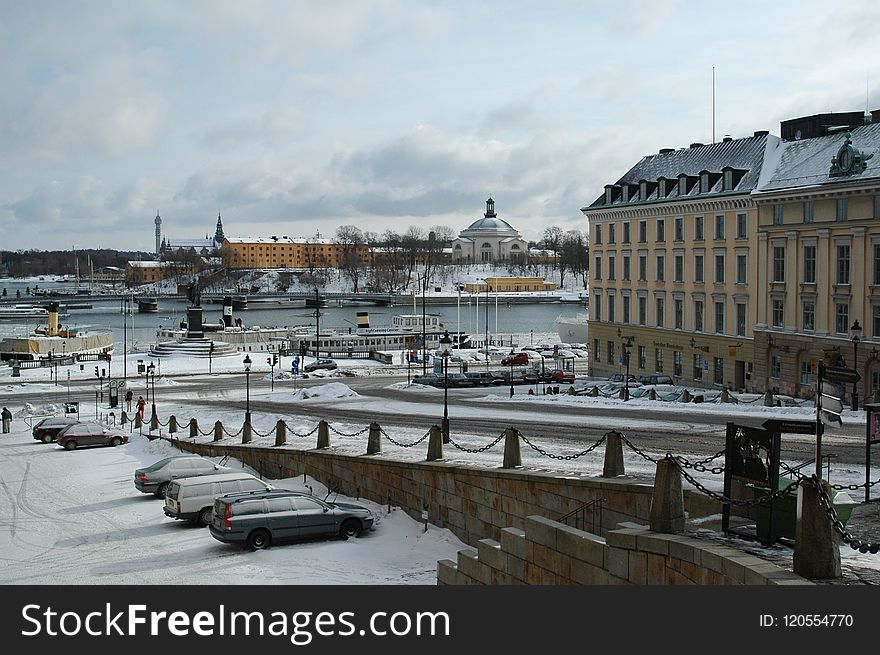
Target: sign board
790,426
71,408
840,374
830,419
294,367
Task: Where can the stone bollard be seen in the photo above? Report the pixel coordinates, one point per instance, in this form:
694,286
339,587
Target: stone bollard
652,394
374,443
667,502
246,432
768,399
123,418
323,435
816,551
594,392
725,395
154,421
512,456
435,444
570,391
613,455
218,431
686,396
172,424
137,420
193,428
280,433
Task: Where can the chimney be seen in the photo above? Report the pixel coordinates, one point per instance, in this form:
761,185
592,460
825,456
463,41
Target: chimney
762,132
227,311
666,151
53,318
875,116
727,138
696,145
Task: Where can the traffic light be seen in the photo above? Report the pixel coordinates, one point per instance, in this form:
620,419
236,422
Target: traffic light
97,374
211,348
302,348
274,359
109,356
269,361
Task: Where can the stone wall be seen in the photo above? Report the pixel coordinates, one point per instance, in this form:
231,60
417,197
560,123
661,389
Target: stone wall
550,553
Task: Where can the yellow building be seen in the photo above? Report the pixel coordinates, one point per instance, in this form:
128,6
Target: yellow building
511,284
818,264
284,252
137,273
673,244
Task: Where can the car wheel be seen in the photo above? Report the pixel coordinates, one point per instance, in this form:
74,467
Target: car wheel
163,488
116,441
46,438
205,516
70,445
259,539
350,528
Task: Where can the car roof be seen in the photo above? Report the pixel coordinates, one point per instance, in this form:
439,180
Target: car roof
216,477
244,495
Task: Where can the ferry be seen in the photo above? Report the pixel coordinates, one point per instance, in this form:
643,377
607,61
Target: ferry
148,305
52,341
573,328
23,312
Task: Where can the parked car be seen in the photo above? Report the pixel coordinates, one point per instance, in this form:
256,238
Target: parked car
621,378
47,430
558,375
485,378
154,479
431,379
516,359
192,499
261,519
460,380
90,433
319,364
657,378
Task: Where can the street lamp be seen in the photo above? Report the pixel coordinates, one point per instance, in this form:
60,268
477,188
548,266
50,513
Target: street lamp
151,374
247,378
855,333
445,342
627,348
511,372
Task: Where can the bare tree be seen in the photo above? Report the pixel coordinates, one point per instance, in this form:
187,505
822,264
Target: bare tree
553,240
351,262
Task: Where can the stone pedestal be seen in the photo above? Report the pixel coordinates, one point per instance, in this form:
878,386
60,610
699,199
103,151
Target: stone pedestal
435,444
374,443
194,328
280,433
323,435
667,503
816,552
512,455
613,456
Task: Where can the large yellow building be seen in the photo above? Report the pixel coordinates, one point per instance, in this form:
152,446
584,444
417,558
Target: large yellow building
819,253
137,273
673,247
284,252
510,285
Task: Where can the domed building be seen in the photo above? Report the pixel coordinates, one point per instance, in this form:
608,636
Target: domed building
489,239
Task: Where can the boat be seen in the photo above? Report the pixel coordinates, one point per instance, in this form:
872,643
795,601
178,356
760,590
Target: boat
23,312
148,305
573,329
53,341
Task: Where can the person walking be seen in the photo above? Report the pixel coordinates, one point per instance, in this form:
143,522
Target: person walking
7,420
128,396
141,404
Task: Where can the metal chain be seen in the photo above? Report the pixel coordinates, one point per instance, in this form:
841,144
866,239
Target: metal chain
229,434
406,445
837,524
562,457
477,450
701,465
260,434
635,449
344,434
303,436
722,497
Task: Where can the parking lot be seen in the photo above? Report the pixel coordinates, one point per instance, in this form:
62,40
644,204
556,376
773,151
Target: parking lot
75,517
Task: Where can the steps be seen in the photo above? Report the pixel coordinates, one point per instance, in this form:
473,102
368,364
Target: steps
193,348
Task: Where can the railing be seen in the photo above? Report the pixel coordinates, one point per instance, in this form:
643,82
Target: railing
577,518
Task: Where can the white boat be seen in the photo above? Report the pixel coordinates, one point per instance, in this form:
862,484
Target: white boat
23,311
573,329
52,340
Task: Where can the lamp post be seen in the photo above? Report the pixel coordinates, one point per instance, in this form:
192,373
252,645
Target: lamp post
486,345
627,348
511,372
247,379
856,335
151,375
445,342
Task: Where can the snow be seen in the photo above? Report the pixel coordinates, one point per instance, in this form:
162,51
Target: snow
325,392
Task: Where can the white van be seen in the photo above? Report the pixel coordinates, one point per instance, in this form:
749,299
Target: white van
193,498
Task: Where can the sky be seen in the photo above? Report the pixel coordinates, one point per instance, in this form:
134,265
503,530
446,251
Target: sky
292,118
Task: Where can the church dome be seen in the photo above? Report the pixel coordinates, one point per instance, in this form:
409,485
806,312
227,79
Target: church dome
489,225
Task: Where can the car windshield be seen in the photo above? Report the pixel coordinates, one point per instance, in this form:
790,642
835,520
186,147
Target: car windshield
159,464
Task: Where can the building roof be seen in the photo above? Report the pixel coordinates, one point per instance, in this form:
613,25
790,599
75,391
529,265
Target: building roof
284,239
808,162
744,156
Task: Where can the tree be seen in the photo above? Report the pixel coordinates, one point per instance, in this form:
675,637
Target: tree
574,256
553,240
351,261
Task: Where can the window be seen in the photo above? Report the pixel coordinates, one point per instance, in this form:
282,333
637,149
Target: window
810,264
661,229
719,269
626,309
679,268
698,367
609,357
611,238
843,264
777,214
875,310
728,180
719,318
597,269
778,263
698,268
643,268
678,309
597,356
719,226
658,360
643,357
809,315
876,263
740,319
698,228
877,206
676,362
778,311
841,318
807,376
626,267
741,269
610,267
742,226
626,232
598,238
679,228
660,307
643,231
698,316
597,307
775,367
661,268
612,305
842,209
643,310
809,211
719,370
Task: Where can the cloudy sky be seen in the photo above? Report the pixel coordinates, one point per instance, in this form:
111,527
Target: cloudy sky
293,117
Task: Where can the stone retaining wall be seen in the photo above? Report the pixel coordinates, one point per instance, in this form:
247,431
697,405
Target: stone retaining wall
550,553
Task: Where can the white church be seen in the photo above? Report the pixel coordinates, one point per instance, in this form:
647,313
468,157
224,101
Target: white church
489,239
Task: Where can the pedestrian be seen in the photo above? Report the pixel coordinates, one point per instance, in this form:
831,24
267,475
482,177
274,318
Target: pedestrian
141,404
128,396
7,420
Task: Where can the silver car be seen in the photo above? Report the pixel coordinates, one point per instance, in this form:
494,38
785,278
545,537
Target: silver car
154,479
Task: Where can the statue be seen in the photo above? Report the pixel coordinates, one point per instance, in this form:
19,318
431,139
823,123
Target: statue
194,294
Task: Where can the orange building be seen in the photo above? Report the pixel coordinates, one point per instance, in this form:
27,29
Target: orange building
284,252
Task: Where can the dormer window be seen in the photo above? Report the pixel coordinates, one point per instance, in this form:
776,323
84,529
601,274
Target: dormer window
625,193
728,180
682,185
643,190
704,182
661,187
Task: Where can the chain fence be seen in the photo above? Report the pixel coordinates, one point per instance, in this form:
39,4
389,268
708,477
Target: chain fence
561,457
700,466
636,450
845,536
345,434
405,445
477,450
305,435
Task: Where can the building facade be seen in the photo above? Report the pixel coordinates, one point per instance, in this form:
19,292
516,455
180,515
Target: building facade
137,273
488,240
672,245
285,252
819,254
510,285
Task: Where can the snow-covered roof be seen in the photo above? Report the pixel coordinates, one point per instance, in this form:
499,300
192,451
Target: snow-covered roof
284,239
